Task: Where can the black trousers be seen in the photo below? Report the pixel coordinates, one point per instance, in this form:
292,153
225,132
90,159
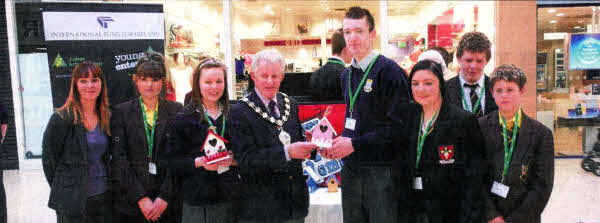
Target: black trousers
2,199
98,209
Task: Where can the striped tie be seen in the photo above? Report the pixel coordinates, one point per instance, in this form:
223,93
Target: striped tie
474,98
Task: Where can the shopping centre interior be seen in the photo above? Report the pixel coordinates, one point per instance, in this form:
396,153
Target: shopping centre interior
544,38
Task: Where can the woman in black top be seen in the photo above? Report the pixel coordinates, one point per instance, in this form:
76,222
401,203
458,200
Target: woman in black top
209,194
144,188
75,150
439,153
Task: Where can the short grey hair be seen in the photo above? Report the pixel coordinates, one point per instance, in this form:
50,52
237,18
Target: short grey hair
269,55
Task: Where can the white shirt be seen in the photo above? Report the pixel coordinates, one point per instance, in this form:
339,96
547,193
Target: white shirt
266,102
477,91
364,63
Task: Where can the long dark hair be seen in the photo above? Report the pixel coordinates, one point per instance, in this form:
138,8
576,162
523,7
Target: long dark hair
196,97
431,66
73,104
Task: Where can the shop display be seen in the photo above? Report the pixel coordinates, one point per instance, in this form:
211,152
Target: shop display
584,51
181,77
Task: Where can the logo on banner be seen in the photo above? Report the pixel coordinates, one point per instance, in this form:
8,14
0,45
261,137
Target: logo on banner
58,61
103,21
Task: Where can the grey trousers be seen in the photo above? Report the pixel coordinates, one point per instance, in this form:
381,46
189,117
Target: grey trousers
367,195
217,213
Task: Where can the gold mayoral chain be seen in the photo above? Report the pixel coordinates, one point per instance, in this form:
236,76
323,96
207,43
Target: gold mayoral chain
284,137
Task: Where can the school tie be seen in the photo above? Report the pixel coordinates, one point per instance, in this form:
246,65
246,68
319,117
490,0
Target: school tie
272,106
474,98
510,124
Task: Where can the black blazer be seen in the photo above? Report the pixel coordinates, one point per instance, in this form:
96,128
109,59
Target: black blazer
131,179
64,159
272,188
453,94
452,191
184,142
530,173
325,82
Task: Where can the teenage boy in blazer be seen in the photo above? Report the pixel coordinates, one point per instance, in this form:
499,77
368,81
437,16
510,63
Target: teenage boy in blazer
465,90
520,152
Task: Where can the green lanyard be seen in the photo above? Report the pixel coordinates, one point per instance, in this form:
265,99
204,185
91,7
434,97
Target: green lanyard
462,91
149,134
421,137
211,125
362,82
336,61
507,152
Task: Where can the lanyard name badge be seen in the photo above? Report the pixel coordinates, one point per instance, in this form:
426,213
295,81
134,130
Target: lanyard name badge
149,136
499,188
418,181
473,107
350,122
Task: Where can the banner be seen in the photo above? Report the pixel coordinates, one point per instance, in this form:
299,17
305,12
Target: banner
114,36
102,26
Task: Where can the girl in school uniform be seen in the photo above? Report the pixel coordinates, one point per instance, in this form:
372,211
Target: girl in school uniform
209,189
437,170
145,191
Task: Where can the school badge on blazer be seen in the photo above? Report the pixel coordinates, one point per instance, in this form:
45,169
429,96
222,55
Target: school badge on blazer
446,154
368,86
524,170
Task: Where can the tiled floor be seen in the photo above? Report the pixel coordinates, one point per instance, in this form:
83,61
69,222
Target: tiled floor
575,199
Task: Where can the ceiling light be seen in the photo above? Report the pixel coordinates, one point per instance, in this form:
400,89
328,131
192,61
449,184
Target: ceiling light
580,21
553,21
551,10
577,27
560,14
288,9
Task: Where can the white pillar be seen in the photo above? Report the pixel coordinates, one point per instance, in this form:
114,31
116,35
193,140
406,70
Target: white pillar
11,30
227,44
383,26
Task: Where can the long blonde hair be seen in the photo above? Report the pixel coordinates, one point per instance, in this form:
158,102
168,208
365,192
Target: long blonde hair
73,104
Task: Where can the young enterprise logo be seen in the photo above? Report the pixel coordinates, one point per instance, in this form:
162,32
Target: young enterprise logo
103,21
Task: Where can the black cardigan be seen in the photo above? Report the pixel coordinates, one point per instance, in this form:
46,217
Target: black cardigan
184,142
64,159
